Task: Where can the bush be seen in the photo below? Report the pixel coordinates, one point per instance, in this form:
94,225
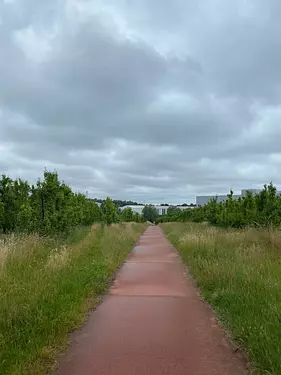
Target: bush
238,272
47,285
48,207
261,210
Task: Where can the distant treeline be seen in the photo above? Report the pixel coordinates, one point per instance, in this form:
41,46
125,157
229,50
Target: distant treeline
263,209
118,202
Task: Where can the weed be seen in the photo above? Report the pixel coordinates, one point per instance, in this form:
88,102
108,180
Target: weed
239,274
46,287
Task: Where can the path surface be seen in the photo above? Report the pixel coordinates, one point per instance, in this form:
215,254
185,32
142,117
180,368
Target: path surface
152,322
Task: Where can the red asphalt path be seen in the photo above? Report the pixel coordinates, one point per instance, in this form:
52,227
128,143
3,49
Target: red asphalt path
152,322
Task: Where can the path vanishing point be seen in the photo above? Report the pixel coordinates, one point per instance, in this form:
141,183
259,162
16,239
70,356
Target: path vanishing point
152,322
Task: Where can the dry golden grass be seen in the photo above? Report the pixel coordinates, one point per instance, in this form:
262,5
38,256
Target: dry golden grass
45,288
59,257
239,274
95,226
5,248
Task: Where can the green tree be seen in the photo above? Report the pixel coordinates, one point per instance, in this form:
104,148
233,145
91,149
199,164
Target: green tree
110,212
49,206
263,209
7,198
174,212
127,214
2,208
149,213
137,217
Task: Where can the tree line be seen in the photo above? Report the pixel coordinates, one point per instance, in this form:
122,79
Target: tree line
119,202
262,209
50,206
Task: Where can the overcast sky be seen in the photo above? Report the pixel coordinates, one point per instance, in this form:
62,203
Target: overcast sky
150,100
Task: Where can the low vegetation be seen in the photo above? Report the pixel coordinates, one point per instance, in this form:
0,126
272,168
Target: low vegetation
47,284
149,213
50,207
239,273
260,210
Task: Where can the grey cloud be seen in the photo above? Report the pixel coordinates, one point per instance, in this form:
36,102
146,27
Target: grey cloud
140,101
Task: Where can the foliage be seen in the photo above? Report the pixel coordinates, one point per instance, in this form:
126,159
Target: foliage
127,214
138,218
174,214
49,206
260,210
47,286
119,203
238,272
110,211
149,213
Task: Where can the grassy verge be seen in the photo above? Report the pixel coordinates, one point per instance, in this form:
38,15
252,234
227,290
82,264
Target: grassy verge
48,285
239,274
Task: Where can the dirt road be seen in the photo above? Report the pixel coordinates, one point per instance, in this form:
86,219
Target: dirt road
152,322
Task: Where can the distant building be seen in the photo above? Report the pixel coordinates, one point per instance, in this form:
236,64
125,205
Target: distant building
161,210
202,200
137,209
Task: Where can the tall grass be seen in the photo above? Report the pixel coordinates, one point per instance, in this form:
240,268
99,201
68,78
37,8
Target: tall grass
46,287
239,274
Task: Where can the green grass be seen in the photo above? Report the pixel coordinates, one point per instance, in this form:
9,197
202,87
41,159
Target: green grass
239,274
47,286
